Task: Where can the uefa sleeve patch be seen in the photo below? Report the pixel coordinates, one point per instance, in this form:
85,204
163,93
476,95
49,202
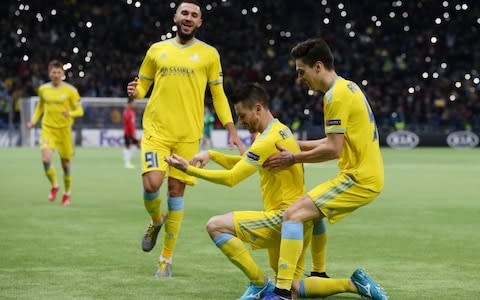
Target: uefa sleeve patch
334,122
253,156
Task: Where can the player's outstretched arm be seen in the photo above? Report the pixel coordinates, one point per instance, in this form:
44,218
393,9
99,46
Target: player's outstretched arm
309,145
200,159
177,162
231,177
326,149
225,160
279,161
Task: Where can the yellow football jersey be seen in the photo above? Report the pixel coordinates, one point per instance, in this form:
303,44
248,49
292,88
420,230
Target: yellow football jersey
347,111
279,189
180,74
54,100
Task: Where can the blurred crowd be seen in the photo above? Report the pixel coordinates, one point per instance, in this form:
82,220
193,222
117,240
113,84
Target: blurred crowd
417,61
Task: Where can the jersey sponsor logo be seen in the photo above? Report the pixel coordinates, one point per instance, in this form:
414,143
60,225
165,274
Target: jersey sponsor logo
462,139
334,122
253,156
403,139
163,56
174,70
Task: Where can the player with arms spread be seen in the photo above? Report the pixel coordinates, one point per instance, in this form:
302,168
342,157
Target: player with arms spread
60,104
180,69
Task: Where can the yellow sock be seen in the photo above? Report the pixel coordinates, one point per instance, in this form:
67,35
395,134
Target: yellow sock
290,250
318,247
51,174
317,287
67,181
152,205
172,225
237,253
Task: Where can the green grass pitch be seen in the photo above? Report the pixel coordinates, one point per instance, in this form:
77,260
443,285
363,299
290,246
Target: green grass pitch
420,238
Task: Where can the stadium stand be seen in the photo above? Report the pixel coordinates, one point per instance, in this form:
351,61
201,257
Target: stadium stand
418,61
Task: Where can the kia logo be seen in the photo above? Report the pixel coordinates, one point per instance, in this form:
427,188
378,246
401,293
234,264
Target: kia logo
402,139
462,139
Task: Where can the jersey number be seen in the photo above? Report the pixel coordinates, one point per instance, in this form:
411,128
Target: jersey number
152,160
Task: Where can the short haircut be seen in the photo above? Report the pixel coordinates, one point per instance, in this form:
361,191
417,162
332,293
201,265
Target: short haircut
250,94
313,50
190,1
55,64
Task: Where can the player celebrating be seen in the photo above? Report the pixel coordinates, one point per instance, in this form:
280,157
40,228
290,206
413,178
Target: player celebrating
180,68
352,137
60,104
260,229
129,128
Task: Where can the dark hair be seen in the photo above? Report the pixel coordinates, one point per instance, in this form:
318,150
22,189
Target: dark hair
55,64
313,50
190,1
250,94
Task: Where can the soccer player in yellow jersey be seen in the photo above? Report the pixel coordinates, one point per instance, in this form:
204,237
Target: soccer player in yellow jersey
260,229
180,69
352,138
60,104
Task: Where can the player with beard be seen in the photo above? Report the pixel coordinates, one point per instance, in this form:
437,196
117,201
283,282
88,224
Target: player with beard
179,69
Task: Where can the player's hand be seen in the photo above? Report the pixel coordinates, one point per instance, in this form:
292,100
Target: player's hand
132,88
233,139
177,162
66,113
281,160
30,125
200,159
